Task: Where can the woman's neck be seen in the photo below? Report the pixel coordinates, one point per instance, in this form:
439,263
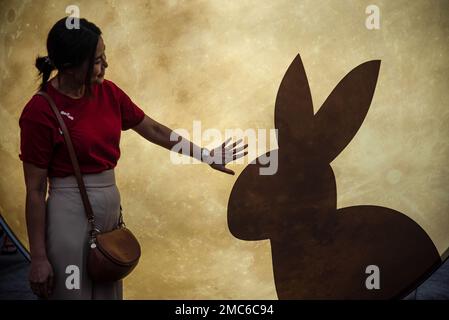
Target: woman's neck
67,86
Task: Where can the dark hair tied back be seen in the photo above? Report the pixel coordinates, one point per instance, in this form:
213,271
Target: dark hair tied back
69,48
45,67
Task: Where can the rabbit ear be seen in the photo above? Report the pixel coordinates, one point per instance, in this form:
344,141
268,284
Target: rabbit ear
343,112
293,115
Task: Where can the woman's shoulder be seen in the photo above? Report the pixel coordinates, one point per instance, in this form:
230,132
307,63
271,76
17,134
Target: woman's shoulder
37,110
113,88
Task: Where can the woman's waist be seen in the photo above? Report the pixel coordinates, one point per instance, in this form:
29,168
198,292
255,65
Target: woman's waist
93,180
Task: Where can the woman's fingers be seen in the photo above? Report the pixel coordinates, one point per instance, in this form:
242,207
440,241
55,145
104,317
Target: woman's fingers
223,169
228,157
237,150
233,149
50,284
225,154
35,288
43,289
237,156
38,289
228,171
232,146
226,142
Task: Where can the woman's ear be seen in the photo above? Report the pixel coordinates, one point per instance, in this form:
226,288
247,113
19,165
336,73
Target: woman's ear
343,112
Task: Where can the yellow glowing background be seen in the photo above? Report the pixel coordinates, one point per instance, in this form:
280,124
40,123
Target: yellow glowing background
221,62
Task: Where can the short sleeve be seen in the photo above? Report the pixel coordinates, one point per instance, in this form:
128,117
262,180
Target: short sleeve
36,143
132,115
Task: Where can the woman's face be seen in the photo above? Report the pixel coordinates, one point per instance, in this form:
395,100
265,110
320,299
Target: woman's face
100,63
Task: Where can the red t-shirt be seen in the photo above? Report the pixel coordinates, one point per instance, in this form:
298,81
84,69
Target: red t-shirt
94,123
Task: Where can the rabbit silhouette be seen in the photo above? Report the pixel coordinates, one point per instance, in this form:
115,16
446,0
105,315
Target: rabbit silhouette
320,252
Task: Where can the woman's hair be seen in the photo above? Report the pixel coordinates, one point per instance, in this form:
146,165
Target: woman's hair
68,48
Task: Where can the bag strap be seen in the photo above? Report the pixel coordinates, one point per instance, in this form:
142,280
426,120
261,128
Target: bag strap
73,158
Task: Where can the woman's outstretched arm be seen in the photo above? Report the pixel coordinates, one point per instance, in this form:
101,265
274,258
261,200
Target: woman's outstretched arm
159,134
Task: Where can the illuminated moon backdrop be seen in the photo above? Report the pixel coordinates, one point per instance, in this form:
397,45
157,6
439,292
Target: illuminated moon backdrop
379,171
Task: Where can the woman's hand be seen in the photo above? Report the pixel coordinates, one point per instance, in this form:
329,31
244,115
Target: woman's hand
223,154
41,277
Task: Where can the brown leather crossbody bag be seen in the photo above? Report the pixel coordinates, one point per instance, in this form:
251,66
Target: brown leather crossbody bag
113,254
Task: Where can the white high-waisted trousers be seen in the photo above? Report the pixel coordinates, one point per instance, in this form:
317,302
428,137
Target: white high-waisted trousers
68,233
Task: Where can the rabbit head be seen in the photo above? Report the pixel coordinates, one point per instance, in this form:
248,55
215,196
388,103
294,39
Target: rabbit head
262,206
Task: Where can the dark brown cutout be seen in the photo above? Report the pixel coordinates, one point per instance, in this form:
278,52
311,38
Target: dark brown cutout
320,252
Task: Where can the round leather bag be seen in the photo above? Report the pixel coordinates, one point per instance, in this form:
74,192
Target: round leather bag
113,255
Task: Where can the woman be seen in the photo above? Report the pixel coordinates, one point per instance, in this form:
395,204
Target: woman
95,111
